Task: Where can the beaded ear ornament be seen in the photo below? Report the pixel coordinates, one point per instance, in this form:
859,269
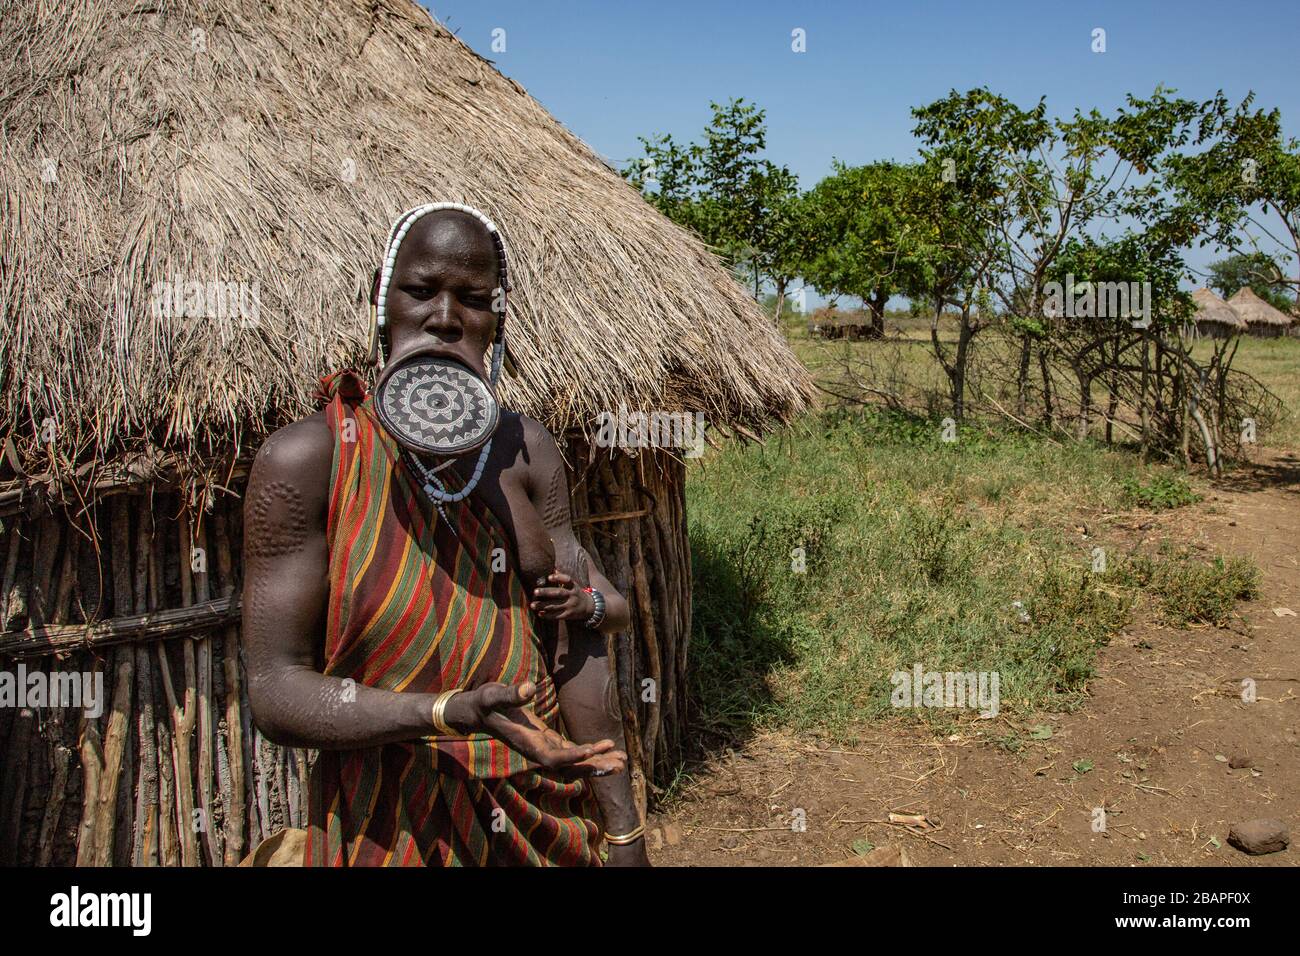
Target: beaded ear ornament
433,405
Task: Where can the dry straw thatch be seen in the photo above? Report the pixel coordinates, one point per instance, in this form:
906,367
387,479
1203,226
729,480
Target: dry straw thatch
1212,310
242,141
1256,312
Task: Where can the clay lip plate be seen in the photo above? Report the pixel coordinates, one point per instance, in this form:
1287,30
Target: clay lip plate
436,406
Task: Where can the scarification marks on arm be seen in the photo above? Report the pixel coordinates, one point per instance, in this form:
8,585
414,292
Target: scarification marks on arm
555,510
279,521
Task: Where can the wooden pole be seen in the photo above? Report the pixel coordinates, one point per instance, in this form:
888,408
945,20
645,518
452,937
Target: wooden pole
212,842
646,626
169,843
184,715
624,645
32,768
234,801
149,627
145,839
119,721
90,744
60,753
13,601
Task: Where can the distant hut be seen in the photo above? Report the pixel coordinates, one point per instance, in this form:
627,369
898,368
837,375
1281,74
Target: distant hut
1214,318
195,196
833,324
1263,319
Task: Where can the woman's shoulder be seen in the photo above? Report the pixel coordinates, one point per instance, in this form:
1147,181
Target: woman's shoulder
300,453
537,438
529,448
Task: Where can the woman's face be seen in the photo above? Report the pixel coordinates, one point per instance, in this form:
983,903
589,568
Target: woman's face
442,290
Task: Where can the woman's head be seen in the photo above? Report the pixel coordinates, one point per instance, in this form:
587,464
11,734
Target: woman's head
444,294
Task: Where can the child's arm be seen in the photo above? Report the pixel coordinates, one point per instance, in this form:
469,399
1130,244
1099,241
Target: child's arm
584,673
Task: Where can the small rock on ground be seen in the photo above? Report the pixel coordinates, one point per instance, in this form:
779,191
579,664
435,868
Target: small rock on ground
1258,837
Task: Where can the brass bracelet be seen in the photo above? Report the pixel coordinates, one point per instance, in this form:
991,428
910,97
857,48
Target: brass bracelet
624,839
439,709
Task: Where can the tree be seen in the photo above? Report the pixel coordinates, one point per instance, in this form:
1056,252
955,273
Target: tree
987,136
735,200
668,177
1114,348
1254,269
774,227
797,235
1248,173
865,231
1055,179
949,254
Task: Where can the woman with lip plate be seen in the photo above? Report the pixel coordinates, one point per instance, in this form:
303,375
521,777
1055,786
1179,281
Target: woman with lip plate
388,619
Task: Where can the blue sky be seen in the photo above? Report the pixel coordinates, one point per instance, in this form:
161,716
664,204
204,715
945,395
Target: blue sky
613,70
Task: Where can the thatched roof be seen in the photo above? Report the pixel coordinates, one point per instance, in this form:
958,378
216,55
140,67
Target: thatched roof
1210,308
242,141
1255,311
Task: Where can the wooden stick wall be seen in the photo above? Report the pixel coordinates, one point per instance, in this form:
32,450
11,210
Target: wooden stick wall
630,515
172,772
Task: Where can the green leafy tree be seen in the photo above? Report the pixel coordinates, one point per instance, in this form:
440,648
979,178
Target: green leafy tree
1243,190
668,177
865,234
798,234
1100,348
722,188
949,255
1055,179
1255,269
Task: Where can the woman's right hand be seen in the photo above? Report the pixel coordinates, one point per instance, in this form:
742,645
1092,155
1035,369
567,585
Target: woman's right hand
498,709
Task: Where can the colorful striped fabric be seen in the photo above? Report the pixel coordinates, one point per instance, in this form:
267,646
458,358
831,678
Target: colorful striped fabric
415,607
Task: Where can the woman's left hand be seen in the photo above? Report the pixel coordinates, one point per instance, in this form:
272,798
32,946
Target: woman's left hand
562,599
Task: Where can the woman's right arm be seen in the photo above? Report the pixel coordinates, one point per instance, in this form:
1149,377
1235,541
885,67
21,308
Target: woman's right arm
286,591
286,588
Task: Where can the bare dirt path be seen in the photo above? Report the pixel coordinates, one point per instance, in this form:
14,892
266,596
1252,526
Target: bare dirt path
1166,716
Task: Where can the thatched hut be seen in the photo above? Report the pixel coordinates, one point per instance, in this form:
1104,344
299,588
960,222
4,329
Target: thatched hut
1214,318
1261,318
833,324
195,195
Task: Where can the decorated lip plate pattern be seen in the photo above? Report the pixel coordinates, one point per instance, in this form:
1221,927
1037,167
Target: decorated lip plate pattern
437,406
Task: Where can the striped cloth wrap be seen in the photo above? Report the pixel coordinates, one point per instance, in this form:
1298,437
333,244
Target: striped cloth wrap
415,607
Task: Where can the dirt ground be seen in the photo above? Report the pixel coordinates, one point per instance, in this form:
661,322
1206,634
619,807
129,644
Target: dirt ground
1165,718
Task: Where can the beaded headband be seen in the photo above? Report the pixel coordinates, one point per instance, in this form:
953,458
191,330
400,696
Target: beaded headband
400,228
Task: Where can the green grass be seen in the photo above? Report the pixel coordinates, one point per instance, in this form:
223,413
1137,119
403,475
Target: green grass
960,556
907,366
1161,493
1188,590
915,550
